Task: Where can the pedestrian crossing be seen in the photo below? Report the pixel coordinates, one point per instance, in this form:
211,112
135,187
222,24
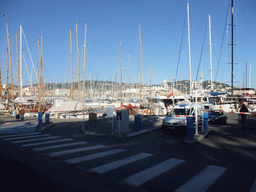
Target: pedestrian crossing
108,160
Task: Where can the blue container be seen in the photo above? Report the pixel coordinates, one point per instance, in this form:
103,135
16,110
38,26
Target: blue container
137,123
190,128
47,117
206,116
40,119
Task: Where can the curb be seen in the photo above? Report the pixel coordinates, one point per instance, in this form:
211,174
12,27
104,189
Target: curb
197,138
117,135
49,125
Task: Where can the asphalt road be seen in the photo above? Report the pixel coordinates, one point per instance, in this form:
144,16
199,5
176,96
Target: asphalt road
223,161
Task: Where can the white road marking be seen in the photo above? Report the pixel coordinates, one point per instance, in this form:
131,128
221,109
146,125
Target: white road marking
94,156
45,142
202,181
152,172
119,163
55,154
58,146
253,189
38,139
23,134
26,137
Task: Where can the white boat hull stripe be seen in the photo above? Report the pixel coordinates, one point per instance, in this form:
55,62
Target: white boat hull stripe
58,146
119,163
38,139
45,142
26,137
76,150
203,180
23,134
152,172
94,156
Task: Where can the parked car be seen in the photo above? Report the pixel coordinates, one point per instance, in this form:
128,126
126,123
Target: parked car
217,116
178,119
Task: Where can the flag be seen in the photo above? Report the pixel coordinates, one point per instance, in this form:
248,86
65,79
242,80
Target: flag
170,95
4,15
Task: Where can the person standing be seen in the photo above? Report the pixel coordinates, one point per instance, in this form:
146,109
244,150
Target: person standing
243,116
22,112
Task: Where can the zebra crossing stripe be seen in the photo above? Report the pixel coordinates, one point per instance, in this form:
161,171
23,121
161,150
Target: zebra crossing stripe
203,180
253,189
94,156
38,139
23,134
58,146
152,172
26,137
119,163
46,142
55,154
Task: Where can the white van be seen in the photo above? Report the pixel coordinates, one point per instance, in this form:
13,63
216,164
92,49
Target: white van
177,120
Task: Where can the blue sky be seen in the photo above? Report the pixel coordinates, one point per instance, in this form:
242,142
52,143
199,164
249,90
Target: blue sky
111,22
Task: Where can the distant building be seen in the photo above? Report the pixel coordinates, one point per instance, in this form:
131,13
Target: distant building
62,92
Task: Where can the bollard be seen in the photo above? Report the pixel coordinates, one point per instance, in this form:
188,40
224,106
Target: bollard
206,116
40,119
190,128
137,122
47,117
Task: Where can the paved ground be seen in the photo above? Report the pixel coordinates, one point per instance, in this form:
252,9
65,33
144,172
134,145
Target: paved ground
227,151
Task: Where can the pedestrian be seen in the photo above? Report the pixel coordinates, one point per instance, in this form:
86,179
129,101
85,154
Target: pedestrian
243,116
22,112
18,114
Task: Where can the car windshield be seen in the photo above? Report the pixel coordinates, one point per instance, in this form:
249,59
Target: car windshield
181,111
216,113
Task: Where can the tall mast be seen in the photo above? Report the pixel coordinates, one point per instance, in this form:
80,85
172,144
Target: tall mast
39,97
250,76
246,75
7,80
232,44
129,79
18,67
77,61
85,30
189,52
150,99
0,80
21,92
121,70
41,68
210,39
9,49
72,91
140,59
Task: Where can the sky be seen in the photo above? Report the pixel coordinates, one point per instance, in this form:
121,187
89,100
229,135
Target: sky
113,23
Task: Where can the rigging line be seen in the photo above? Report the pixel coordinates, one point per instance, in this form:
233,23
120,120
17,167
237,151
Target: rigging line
222,43
180,49
29,54
201,52
30,79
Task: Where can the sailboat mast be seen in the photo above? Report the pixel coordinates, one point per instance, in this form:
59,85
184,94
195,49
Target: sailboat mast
189,52
232,45
41,68
21,91
0,80
150,99
18,67
140,59
121,71
39,97
7,76
72,91
85,30
250,76
78,62
210,39
129,79
10,58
